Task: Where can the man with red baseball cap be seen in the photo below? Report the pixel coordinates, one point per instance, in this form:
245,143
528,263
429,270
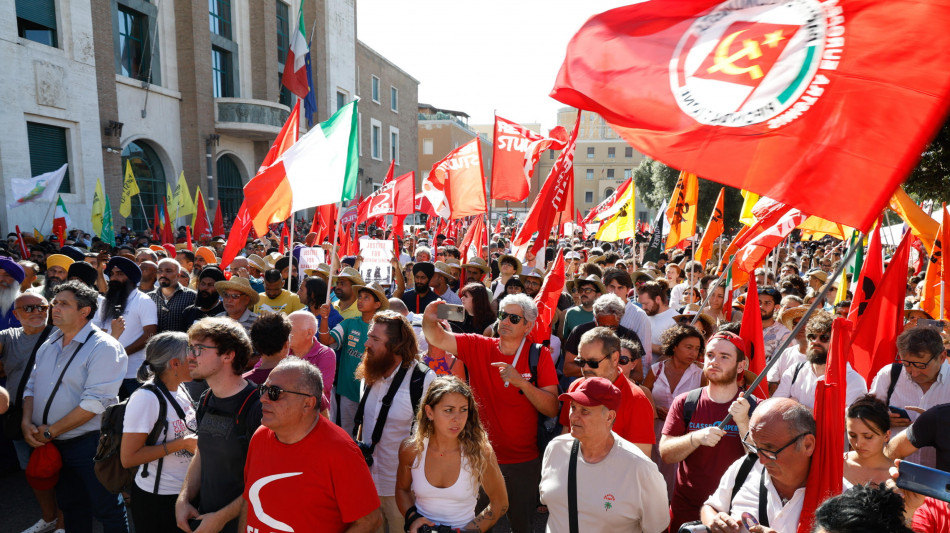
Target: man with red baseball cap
617,487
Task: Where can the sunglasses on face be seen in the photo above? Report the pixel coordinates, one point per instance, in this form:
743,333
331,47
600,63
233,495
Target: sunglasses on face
513,318
273,392
626,359
824,337
592,364
35,308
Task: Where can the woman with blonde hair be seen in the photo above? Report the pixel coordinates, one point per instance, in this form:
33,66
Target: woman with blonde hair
442,466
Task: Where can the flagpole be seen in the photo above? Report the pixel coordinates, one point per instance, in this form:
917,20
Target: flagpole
689,286
53,203
290,254
709,292
815,304
144,214
336,238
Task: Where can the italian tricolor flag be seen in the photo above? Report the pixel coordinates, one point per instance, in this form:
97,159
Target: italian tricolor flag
319,169
60,220
295,66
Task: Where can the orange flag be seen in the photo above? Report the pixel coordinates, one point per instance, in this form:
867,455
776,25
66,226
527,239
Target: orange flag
456,184
713,230
937,271
682,209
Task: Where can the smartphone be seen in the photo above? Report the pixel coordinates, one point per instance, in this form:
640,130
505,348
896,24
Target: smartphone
452,313
899,412
924,480
926,322
748,521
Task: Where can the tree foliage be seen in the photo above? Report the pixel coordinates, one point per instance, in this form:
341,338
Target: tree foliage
655,182
931,179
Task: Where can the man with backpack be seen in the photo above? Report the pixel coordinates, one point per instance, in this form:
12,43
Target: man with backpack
394,380
510,395
228,413
691,436
77,375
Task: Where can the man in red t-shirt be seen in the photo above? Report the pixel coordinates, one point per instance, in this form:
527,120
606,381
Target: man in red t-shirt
599,356
704,451
509,397
304,473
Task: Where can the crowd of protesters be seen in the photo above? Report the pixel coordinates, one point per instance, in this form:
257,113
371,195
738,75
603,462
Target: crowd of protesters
263,397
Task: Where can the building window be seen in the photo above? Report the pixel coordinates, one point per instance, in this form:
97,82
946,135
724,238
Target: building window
221,70
375,140
589,196
628,151
283,31
394,99
230,186
48,150
394,144
590,173
427,147
608,192
134,50
340,100
283,96
610,173
150,177
611,152
627,173
375,89
590,152
36,21
552,154
220,17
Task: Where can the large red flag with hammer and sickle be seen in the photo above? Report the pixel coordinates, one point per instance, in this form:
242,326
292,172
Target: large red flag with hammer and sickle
808,102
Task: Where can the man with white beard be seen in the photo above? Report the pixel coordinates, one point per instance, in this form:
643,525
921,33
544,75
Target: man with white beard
11,275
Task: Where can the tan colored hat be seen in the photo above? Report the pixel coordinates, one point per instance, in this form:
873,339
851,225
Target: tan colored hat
351,274
818,274
479,263
377,291
445,269
322,271
513,258
238,284
689,311
257,262
592,279
533,272
59,260
272,258
594,259
789,314
642,274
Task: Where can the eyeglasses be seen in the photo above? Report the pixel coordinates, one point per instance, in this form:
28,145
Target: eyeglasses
195,349
824,337
592,364
768,454
273,392
918,365
35,308
513,318
232,295
587,290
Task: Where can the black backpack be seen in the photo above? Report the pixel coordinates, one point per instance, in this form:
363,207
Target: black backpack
548,427
692,399
108,464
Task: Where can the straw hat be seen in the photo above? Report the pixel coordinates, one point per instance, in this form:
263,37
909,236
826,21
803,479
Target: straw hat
239,284
257,262
479,263
351,274
592,279
513,258
322,271
378,292
272,258
691,310
642,274
788,315
533,272
445,269
594,259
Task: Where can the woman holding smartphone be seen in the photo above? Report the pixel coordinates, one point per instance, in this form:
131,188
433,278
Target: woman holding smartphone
442,466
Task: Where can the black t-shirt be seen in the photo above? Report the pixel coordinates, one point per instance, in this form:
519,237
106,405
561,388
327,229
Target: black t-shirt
192,314
572,344
410,299
223,438
565,302
924,432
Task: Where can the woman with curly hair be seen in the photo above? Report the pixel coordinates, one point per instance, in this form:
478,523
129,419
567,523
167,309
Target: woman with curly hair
442,466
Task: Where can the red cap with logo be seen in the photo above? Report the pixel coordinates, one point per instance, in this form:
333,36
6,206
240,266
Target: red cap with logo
594,391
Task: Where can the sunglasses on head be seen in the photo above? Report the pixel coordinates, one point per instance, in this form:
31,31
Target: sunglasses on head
515,319
273,392
824,337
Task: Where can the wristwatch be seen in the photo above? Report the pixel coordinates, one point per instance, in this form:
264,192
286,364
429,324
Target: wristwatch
46,435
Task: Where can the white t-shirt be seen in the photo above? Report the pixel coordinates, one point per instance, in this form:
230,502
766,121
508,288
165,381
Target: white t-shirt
803,389
140,416
782,518
140,311
787,359
659,323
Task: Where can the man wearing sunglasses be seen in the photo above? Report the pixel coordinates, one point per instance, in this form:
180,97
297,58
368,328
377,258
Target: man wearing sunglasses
304,473
589,288
599,356
509,396
800,380
922,381
782,435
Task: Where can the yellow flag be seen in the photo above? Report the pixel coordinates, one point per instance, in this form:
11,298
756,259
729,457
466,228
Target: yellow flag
682,209
172,202
748,202
37,235
623,224
930,294
920,222
186,206
98,208
129,189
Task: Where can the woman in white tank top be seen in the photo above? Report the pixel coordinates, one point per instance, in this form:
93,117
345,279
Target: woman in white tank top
443,464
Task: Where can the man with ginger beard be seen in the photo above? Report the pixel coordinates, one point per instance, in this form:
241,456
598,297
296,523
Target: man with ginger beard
128,315
389,362
207,301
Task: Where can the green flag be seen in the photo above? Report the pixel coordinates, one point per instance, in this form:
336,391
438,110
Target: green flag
108,231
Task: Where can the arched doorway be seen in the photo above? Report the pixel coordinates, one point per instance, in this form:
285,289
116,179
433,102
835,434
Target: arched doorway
150,177
608,192
230,186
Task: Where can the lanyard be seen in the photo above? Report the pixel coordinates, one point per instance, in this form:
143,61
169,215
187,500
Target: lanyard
514,364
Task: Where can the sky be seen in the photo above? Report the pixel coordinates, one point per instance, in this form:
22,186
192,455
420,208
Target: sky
481,57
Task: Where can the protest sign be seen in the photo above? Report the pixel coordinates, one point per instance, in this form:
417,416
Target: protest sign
376,266
310,258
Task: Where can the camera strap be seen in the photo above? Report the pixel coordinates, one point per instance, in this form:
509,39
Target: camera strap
383,409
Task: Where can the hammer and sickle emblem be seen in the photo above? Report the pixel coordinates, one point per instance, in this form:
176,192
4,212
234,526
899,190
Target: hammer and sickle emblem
726,63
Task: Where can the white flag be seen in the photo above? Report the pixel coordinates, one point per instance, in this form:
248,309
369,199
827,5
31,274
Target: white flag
42,188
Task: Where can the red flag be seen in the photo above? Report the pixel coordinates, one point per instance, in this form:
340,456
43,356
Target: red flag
284,237
551,198
918,245
168,232
870,277
202,229
779,110
398,232
156,224
473,240
423,205
390,172
713,231
875,335
188,242
217,228
396,197
456,184
24,254
753,253
351,214
827,468
498,226
751,331
547,299
515,153
238,237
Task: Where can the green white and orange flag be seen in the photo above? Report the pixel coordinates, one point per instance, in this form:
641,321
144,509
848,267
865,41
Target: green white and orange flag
682,209
61,220
319,169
